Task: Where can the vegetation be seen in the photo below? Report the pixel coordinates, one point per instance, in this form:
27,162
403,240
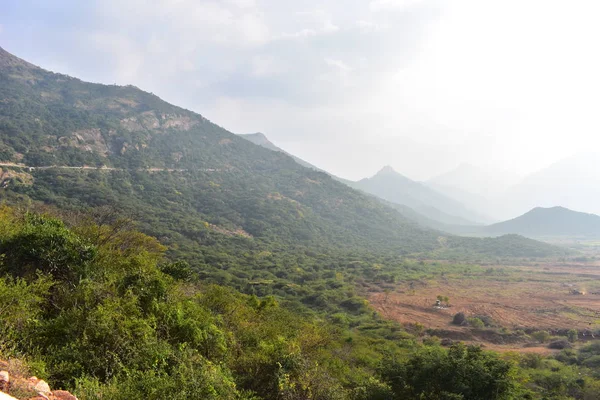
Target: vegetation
98,309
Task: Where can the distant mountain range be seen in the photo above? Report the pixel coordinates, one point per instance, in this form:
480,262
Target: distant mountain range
573,182
549,222
452,203
397,188
414,200
474,180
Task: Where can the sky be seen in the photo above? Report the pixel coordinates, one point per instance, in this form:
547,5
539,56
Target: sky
348,85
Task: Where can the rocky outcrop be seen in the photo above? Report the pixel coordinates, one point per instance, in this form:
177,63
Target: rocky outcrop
148,121
10,177
39,385
30,389
90,140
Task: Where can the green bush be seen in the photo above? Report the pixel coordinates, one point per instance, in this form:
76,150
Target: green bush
475,322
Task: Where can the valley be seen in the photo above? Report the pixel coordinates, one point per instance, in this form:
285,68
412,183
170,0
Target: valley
513,301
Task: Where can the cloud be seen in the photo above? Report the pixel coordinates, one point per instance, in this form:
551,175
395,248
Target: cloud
371,26
265,66
383,5
338,64
474,81
314,23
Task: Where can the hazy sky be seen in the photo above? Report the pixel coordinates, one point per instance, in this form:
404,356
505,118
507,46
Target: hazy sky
349,85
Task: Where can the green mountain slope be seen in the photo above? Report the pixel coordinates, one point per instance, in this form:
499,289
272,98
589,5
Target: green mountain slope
199,188
545,222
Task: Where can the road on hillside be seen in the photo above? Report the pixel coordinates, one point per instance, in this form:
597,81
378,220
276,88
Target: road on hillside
103,168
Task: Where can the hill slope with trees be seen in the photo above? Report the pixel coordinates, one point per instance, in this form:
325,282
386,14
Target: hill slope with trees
188,180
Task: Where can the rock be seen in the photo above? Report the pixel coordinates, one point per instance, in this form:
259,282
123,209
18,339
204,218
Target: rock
447,342
39,385
4,381
63,395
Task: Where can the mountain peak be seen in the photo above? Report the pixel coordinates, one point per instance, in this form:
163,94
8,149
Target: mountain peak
386,170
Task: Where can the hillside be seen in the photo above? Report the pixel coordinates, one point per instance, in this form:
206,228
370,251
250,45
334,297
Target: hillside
216,178
392,186
546,222
207,193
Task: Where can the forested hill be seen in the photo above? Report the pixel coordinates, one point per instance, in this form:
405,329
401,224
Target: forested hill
190,182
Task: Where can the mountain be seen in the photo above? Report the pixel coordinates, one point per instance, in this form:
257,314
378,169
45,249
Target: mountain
189,173
445,222
394,187
475,180
477,203
549,222
208,194
476,187
573,182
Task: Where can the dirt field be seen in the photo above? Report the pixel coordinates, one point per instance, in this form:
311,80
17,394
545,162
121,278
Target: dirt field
520,297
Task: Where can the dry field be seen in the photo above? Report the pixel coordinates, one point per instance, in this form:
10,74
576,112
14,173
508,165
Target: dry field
518,297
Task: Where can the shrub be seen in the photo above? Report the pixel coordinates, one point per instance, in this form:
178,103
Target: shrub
541,336
475,322
459,319
572,334
559,344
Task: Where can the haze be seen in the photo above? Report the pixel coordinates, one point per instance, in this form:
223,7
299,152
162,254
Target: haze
347,85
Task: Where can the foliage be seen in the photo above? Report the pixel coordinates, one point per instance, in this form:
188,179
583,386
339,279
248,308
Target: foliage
122,322
458,373
541,336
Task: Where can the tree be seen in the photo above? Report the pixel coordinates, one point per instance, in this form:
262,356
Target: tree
46,245
461,372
